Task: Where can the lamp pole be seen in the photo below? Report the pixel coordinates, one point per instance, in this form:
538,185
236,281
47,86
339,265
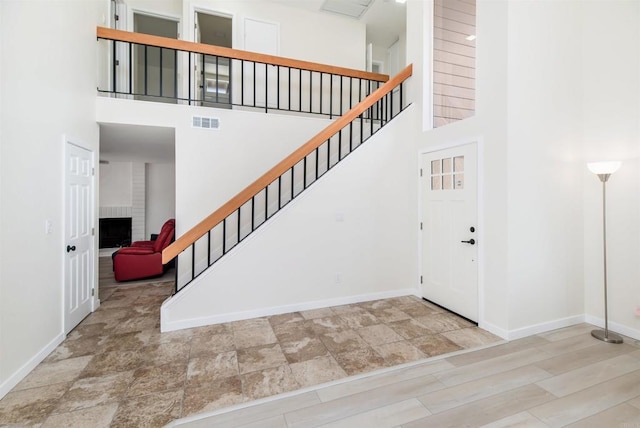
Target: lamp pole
605,335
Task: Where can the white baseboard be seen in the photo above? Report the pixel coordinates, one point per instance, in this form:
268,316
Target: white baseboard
500,332
26,368
613,326
166,325
544,327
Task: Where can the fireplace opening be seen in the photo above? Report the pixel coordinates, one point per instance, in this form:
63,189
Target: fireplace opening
115,232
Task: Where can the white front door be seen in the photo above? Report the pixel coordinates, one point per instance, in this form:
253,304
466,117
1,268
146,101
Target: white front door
79,242
449,229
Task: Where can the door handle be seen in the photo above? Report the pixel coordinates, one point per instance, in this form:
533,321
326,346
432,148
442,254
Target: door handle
71,248
470,241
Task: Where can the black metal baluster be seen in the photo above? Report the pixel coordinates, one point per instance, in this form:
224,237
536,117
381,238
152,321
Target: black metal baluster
279,192
254,84
253,213
239,210
266,88
317,160
350,136
292,181
304,173
242,82
401,102
193,261
209,248
230,87
300,89
266,203
189,77
331,96
176,265
340,145
341,95
278,87
321,75
217,79
391,103
350,93
130,68
310,91
289,92
329,154
224,236
202,80
145,71
361,127
161,67
114,69
175,74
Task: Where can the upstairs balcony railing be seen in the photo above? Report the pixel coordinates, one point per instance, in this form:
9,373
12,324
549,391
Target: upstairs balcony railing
211,239
153,68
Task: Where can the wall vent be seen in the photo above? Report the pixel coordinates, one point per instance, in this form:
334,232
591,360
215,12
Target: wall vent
205,122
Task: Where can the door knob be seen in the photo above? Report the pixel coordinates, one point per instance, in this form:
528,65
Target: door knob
71,248
470,241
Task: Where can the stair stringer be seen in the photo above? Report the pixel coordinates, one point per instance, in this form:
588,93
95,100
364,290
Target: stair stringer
350,237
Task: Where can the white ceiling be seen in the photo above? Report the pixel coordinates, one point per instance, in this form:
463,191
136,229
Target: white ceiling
385,19
134,143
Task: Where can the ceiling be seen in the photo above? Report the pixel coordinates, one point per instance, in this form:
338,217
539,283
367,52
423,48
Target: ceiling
385,19
134,143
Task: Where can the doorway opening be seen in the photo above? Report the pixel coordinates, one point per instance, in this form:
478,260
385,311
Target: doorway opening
155,69
213,73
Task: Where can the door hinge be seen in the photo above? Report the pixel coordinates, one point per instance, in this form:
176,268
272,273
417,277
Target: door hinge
117,62
93,231
116,17
93,171
420,225
420,172
420,279
93,292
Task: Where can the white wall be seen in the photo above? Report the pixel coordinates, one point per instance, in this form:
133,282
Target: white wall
611,122
31,170
160,195
213,166
322,38
357,222
487,127
544,164
115,184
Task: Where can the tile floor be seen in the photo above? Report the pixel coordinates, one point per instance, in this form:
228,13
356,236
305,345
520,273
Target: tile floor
562,378
117,369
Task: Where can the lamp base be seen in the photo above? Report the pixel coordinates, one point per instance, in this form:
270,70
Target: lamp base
608,337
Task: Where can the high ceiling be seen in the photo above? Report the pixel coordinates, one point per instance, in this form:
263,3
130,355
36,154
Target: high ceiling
385,19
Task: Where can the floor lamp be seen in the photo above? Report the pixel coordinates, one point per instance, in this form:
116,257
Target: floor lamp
604,170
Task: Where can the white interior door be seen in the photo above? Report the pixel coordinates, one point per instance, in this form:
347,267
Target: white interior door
79,243
449,229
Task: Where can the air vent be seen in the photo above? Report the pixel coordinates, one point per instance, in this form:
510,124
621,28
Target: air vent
351,8
205,122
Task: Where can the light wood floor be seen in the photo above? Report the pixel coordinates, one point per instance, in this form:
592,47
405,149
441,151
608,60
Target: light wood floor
556,379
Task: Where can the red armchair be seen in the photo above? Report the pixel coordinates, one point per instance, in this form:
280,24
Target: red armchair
143,259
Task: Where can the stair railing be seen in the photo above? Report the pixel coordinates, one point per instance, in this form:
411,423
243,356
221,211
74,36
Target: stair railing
146,67
225,228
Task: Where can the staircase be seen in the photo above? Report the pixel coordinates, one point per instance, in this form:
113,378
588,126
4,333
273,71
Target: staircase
362,103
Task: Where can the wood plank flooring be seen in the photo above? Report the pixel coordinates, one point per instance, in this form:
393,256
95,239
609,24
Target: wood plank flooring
557,379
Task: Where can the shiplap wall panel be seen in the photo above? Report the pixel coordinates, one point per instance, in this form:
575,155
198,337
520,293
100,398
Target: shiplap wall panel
453,60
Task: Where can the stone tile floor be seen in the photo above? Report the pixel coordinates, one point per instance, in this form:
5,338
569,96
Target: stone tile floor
117,369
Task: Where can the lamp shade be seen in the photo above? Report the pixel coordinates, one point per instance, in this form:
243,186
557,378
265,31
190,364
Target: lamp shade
604,167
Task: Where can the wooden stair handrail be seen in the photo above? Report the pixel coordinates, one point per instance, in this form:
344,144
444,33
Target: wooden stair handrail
283,166
183,45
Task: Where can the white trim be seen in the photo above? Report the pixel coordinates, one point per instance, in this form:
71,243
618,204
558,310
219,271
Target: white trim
26,368
166,16
207,10
500,332
166,325
545,326
613,326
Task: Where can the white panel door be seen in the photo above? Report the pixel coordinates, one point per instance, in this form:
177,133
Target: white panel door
449,229
79,244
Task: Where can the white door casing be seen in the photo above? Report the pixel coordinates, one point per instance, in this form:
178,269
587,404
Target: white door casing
79,234
449,229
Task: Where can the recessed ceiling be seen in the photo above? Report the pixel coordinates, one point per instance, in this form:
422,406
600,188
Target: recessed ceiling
351,8
135,143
